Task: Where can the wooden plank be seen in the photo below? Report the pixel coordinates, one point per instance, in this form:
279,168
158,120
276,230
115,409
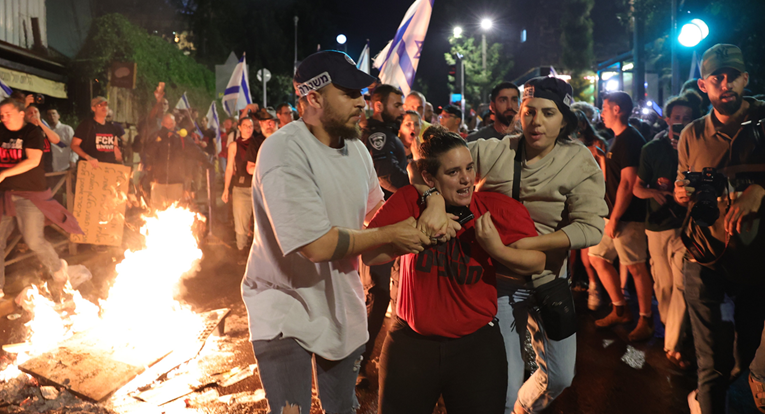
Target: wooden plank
88,370
92,369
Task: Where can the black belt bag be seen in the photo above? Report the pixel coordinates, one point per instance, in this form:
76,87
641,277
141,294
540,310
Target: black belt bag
556,308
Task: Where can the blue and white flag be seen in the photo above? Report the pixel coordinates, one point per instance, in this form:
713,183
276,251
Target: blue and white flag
183,103
363,62
5,90
214,122
398,61
237,94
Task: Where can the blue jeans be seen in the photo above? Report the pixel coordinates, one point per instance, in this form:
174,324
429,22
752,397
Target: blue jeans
31,224
286,371
241,199
727,322
556,359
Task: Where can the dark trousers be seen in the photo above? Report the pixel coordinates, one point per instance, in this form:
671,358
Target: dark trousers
376,280
727,322
470,372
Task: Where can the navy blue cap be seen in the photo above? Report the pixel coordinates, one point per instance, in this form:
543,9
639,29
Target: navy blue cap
554,89
330,66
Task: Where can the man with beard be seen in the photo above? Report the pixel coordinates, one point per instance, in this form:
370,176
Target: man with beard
505,101
390,161
728,138
382,141
313,190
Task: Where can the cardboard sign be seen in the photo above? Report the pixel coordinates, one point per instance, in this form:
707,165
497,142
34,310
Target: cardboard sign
99,203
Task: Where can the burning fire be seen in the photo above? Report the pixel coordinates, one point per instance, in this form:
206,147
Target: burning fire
140,309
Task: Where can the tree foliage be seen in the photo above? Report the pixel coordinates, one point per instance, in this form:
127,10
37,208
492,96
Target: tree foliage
576,36
476,79
113,38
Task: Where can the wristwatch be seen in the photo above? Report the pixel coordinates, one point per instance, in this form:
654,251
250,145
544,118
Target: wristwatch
429,192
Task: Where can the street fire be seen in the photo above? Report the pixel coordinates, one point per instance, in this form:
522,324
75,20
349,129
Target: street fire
140,314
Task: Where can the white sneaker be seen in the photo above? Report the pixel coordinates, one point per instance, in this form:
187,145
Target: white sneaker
593,298
693,403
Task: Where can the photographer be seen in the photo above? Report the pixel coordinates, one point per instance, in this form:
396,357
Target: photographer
729,139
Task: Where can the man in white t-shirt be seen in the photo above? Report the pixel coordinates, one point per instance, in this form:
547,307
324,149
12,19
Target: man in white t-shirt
313,189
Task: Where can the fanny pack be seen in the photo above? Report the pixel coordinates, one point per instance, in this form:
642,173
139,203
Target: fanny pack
554,299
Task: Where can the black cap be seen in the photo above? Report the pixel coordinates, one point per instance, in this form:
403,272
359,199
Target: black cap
554,89
330,66
453,110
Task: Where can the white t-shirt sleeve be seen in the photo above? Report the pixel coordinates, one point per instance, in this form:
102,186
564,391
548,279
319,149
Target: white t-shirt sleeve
295,208
375,192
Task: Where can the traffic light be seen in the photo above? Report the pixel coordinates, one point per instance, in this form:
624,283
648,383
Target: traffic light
456,75
453,86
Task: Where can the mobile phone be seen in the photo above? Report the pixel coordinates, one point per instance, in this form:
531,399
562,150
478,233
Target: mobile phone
677,129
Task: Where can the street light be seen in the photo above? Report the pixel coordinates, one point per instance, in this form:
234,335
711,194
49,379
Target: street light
341,39
693,33
486,26
457,32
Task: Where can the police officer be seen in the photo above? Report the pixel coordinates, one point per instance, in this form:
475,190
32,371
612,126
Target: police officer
389,157
381,137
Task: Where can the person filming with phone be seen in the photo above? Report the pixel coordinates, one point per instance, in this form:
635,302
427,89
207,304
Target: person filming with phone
664,217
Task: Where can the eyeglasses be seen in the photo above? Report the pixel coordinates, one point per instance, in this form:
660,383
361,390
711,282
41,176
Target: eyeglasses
102,104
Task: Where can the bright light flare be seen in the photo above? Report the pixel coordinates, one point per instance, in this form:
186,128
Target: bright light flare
486,24
457,32
612,85
341,39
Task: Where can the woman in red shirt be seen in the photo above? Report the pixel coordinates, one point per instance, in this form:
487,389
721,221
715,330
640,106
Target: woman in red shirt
445,340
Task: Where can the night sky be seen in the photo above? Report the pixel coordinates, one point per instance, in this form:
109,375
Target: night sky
361,20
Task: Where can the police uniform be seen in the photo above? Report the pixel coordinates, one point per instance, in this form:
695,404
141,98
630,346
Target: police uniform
390,163
388,155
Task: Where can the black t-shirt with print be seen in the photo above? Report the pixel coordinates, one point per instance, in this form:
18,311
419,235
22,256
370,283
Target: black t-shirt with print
624,153
13,146
47,158
98,140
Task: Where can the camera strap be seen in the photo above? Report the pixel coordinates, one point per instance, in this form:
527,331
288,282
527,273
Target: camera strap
517,171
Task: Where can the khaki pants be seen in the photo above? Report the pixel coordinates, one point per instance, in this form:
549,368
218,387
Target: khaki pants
667,253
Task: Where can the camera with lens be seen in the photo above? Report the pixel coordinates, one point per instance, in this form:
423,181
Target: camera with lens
39,99
708,184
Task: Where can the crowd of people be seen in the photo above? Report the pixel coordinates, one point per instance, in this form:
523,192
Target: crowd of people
349,206
470,237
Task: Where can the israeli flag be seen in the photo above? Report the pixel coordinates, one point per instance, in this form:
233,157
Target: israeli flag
398,61
214,122
237,94
183,103
5,90
363,64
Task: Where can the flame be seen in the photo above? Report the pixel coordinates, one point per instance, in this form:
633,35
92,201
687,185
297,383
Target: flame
140,309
